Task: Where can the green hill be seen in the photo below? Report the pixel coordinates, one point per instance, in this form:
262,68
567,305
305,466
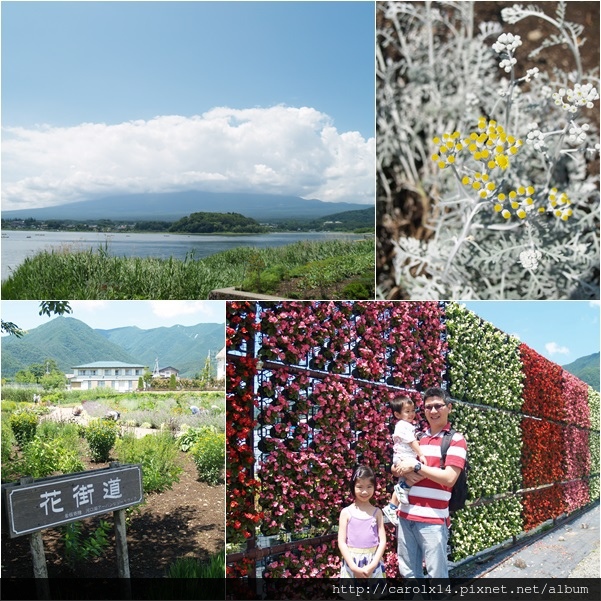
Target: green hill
587,369
183,347
71,342
66,340
212,223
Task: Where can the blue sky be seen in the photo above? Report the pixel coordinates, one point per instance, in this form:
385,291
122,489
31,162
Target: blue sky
93,84
115,314
562,331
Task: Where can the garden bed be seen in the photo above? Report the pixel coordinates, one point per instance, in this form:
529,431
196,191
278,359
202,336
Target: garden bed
187,520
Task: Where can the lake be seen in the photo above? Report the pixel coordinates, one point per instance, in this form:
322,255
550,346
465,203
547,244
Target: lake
18,245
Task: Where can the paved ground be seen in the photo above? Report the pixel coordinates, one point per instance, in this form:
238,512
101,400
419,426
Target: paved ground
571,550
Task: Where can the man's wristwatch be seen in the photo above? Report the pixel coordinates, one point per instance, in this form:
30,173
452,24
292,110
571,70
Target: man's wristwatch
418,466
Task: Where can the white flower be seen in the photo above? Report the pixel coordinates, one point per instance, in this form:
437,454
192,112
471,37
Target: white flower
507,64
529,258
507,42
581,95
577,133
536,138
531,73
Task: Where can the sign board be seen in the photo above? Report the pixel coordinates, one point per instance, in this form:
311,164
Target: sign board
58,500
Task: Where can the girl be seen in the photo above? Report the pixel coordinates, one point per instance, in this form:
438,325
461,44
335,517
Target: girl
361,533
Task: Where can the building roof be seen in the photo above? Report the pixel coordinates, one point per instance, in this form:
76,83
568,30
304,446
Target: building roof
108,364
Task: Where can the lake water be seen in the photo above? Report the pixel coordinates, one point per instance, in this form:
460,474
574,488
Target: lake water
16,246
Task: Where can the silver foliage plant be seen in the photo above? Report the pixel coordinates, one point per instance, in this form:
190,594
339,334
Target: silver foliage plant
496,152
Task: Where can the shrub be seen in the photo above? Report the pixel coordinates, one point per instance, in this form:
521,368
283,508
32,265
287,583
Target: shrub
19,395
158,456
24,425
7,441
209,456
190,436
78,548
193,567
68,434
55,398
101,436
9,406
45,457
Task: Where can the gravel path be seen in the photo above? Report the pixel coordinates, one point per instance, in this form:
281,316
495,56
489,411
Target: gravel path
65,414
569,551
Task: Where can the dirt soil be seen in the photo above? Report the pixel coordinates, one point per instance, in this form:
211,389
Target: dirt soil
405,216
188,520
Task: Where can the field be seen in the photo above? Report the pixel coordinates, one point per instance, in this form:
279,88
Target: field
452,221
182,515
95,274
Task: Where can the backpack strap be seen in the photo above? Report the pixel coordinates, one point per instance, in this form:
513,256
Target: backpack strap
444,445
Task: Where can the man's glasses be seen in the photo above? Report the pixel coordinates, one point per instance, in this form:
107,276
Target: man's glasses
438,407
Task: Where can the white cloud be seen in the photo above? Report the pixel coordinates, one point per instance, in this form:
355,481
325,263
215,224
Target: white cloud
272,150
173,308
555,349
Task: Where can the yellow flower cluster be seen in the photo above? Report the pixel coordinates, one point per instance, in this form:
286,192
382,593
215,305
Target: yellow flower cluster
520,201
559,205
480,182
448,149
492,147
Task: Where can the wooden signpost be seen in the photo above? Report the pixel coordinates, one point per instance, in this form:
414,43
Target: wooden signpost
33,505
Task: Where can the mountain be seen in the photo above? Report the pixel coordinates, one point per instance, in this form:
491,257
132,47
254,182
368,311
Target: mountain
587,369
170,206
66,340
184,347
71,342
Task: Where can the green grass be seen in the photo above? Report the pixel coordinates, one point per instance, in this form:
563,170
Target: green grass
316,277
94,274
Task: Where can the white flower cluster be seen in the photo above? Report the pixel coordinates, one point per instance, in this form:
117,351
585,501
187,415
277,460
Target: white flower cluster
577,133
529,258
531,74
507,42
507,63
535,137
581,95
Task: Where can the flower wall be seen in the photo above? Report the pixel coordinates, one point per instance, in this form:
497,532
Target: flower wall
308,387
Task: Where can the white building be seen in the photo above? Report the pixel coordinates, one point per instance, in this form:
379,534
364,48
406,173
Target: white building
220,357
106,374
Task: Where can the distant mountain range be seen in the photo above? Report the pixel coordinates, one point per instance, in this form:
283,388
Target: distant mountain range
71,342
587,369
170,206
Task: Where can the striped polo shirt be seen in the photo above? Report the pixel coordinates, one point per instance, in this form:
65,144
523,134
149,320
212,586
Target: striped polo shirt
429,501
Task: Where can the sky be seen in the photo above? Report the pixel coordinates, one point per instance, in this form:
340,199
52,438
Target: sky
106,315
561,331
102,98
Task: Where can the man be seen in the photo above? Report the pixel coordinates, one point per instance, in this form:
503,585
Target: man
424,523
